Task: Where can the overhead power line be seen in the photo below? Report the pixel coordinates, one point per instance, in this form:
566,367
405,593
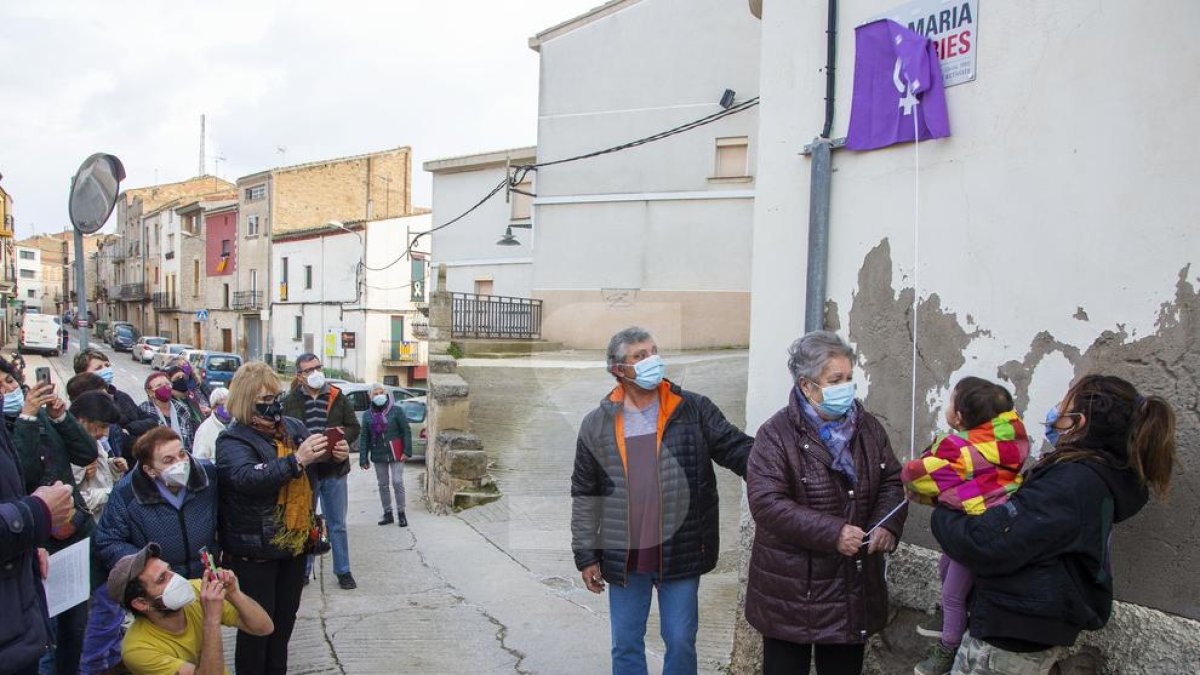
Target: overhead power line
522,170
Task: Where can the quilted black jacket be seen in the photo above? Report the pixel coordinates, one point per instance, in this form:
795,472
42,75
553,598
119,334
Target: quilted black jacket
695,435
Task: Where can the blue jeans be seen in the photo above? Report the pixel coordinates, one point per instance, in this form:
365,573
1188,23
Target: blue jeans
102,639
679,619
333,505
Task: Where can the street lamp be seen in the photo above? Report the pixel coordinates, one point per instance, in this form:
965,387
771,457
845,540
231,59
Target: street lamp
508,239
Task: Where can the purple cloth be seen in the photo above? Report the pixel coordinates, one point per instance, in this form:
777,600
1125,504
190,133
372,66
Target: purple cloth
956,586
379,418
896,75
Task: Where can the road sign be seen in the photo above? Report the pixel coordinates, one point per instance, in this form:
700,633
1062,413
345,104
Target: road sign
202,315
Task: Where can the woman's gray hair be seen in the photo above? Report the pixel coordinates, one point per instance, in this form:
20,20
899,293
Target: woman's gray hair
809,353
377,385
617,345
218,396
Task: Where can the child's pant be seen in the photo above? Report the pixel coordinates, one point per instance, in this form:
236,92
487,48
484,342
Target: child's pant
956,585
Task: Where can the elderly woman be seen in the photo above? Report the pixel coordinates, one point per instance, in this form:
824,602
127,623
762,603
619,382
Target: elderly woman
386,440
822,483
170,412
204,444
267,466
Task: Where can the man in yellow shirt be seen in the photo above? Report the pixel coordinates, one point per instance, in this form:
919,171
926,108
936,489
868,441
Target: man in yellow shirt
172,634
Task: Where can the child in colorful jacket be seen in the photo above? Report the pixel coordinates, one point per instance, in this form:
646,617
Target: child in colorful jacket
973,468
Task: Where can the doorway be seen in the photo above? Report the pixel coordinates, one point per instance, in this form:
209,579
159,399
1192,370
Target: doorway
253,338
196,336
226,340
396,341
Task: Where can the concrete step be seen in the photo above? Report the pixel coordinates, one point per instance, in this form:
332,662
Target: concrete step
504,348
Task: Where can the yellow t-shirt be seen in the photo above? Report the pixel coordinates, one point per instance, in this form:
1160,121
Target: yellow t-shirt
150,650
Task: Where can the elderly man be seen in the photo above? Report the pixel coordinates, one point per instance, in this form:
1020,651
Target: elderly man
322,407
170,633
644,501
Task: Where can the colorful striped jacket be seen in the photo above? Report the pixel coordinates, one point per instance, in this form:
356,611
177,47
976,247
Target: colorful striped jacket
972,470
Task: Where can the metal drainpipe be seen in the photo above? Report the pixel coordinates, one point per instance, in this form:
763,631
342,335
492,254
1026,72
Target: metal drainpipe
820,187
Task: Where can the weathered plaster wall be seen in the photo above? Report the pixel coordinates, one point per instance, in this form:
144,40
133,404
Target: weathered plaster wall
1051,242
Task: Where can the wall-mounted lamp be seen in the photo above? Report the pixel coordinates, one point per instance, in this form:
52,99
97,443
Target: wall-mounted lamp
508,239
727,99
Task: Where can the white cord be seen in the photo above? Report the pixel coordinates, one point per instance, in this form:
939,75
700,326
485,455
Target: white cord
912,442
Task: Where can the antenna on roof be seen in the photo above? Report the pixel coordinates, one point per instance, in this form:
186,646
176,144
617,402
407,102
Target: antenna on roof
282,150
202,165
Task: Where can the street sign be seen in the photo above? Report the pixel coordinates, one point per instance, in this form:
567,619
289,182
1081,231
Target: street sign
202,315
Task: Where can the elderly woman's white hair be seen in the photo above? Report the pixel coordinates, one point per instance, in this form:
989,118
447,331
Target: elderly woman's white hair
218,396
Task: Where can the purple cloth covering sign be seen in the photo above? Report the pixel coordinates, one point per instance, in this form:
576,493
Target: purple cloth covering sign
896,76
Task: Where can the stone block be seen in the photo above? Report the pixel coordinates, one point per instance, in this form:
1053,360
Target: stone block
443,387
454,414
457,441
468,464
442,364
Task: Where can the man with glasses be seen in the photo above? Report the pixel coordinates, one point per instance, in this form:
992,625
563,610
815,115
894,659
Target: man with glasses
322,406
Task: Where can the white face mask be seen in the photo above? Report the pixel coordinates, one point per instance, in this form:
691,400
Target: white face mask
178,593
315,379
177,474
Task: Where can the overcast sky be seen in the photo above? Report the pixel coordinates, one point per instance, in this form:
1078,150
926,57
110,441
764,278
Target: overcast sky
321,79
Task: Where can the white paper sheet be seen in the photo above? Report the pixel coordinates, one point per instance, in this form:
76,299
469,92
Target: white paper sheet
67,584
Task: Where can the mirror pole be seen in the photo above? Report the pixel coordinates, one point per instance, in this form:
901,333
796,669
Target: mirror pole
81,292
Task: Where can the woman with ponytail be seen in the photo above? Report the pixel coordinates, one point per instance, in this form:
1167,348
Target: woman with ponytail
1041,562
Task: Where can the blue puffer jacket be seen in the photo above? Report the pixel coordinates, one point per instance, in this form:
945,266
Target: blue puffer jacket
24,525
138,514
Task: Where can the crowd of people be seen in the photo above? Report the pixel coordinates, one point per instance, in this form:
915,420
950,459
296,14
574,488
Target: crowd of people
1026,567
199,507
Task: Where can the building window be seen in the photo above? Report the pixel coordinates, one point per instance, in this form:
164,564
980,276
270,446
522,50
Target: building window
283,270
195,278
170,245
732,154
225,299
251,226
308,276
28,274
521,204
31,293
224,247
28,255
253,280
299,332
256,193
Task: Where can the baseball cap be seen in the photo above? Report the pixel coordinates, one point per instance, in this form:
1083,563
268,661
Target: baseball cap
128,569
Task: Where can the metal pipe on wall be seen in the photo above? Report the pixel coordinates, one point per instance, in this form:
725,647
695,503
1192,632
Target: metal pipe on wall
820,189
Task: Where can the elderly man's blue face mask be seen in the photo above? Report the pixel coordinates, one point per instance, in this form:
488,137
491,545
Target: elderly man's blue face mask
648,372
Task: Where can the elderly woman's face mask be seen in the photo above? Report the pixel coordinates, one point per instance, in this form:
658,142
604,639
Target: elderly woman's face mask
833,395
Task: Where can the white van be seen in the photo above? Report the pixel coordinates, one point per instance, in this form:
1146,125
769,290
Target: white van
39,333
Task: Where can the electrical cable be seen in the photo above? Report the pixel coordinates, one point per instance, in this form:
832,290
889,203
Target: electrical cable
522,170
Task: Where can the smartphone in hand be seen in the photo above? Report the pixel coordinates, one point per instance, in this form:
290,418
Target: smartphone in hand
334,435
42,374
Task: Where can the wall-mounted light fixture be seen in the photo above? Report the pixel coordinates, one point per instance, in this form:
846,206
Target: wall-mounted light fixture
508,239
727,99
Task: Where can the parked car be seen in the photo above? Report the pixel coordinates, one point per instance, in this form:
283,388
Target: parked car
416,412
167,353
215,368
122,336
360,394
143,349
40,333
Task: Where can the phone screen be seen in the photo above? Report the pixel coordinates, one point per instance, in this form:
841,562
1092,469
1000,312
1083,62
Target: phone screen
43,374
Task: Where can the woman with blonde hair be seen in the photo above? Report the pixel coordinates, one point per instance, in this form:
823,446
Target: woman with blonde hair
267,466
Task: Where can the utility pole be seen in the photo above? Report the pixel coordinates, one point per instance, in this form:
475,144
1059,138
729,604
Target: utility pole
202,165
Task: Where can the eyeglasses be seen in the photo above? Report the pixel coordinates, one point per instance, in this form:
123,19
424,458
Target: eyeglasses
306,371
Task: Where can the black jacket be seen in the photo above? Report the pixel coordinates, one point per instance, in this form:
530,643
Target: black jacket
1041,561
47,450
695,435
134,420
250,476
24,525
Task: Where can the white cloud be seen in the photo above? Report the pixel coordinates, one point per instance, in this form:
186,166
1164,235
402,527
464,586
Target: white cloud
319,78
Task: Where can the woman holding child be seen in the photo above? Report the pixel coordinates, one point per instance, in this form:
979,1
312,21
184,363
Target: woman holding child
1041,560
823,487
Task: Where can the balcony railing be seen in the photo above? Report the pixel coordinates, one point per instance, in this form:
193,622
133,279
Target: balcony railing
165,300
393,352
133,291
496,316
247,300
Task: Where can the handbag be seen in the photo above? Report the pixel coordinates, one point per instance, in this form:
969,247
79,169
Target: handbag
397,446
318,538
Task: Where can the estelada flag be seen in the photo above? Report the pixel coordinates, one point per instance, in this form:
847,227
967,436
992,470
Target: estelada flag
896,75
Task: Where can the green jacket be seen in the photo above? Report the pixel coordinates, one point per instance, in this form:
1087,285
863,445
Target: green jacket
340,413
48,450
377,448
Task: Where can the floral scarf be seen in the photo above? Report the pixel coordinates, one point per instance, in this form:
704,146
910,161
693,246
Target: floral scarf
835,435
